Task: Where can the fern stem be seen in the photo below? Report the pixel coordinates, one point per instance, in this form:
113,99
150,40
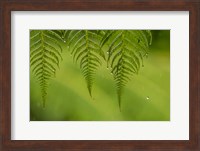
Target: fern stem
89,84
120,70
43,80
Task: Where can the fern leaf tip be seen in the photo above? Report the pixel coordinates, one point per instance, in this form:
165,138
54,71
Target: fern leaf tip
119,101
90,91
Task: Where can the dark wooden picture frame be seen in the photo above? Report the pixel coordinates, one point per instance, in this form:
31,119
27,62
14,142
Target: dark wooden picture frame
6,6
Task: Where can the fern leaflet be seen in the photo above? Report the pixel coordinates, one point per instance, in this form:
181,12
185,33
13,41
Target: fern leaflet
45,56
85,48
126,50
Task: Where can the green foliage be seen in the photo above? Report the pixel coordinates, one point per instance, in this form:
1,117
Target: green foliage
85,48
45,56
125,51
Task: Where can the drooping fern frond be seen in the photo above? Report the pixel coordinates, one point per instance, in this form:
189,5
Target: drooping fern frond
85,49
126,50
45,56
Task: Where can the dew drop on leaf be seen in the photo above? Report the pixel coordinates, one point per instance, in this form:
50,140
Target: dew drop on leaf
146,55
147,98
64,41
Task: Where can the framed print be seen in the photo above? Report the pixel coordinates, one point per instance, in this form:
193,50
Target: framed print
99,75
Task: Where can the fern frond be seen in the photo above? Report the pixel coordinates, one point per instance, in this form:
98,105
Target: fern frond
85,48
45,56
126,50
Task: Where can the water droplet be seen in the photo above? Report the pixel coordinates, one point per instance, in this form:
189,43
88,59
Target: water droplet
147,98
107,52
64,41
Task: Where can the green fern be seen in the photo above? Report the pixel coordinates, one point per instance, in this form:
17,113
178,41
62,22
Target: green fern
126,50
85,48
45,56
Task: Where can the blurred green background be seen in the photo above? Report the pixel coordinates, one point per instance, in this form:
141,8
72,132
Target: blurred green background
145,98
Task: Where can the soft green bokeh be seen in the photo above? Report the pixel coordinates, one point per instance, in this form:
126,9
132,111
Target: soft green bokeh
145,98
